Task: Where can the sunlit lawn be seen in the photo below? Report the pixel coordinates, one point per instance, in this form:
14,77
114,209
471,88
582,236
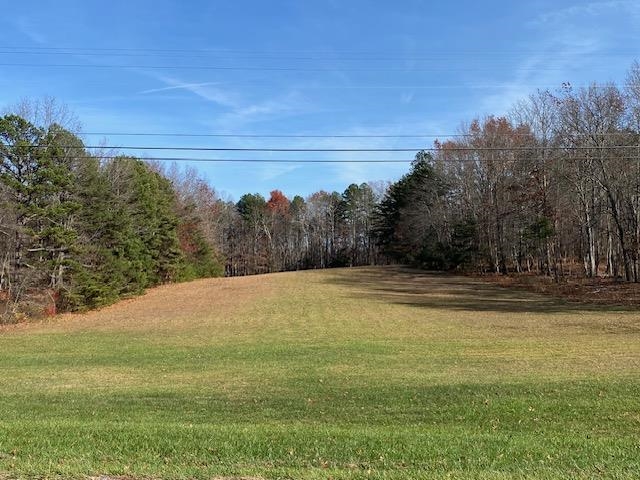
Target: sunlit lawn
363,373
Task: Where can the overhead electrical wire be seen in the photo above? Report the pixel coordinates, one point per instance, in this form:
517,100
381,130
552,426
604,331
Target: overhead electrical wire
329,68
279,55
296,161
334,52
255,57
216,55
249,160
256,135
339,150
278,135
326,69
251,68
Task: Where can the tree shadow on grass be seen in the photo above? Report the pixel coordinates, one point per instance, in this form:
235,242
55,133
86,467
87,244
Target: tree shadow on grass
437,290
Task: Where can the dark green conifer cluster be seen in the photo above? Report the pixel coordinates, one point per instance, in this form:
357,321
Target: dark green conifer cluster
88,231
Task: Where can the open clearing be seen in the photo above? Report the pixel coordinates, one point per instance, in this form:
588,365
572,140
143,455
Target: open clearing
362,373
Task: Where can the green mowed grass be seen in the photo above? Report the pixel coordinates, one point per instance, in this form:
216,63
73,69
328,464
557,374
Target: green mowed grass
362,373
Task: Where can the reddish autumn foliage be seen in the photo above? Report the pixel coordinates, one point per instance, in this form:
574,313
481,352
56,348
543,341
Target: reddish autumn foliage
278,203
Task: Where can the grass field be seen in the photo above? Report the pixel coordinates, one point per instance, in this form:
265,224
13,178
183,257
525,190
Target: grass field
364,373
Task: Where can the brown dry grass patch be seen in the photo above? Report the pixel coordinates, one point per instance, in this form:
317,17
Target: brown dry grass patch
166,307
587,291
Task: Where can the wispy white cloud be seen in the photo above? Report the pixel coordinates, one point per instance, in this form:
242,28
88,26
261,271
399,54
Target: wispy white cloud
566,45
185,86
285,105
208,91
374,137
407,97
273,171
336,176
234,110
591,9
238,110
525,76
27,28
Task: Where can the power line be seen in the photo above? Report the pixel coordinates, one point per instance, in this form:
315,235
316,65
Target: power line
330,69
215,55
229,55
166,67
251,68
257,135
303,51
251,160
340,150
231,149
296,161
272,135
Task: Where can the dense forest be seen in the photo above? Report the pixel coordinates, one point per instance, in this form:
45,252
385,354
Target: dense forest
81,229
553,188
77,231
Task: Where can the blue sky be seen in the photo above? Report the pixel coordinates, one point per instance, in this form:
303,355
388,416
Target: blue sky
321,67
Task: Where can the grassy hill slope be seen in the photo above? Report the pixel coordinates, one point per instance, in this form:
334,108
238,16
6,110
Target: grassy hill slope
361,373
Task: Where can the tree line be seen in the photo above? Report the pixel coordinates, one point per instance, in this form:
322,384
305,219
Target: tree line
80,231
262,235
277,234
553,188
